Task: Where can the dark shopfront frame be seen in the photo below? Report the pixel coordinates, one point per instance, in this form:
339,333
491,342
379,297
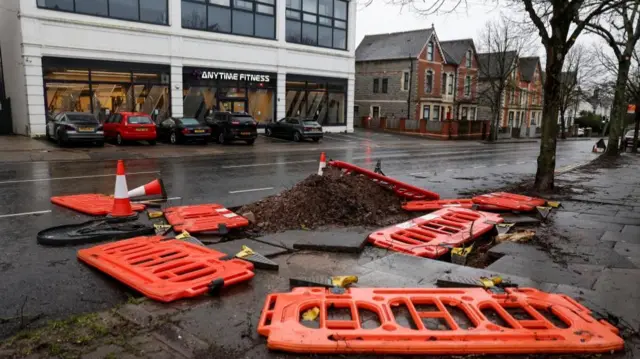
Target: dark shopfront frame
57,63
330,82
226,79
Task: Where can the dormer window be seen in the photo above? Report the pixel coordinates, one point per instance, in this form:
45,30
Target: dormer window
430,51
469,58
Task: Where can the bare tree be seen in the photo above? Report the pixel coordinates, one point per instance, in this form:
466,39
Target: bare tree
620,28
574,81
500,46
633,88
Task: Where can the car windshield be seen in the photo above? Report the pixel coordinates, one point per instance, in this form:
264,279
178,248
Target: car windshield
189,121
311,122
242,119
81,118
139,120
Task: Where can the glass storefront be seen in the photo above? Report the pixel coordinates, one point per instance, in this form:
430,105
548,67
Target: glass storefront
102,87
207,90
318,98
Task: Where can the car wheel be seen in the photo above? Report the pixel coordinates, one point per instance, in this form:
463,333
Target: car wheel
297,137
268,132
152,142
173,138
119,140
250,142
47,133
316,139
221,139
61,141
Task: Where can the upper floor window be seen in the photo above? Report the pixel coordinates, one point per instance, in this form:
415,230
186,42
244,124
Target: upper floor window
240,17
451,83
376,85
430,51
150,11
405,81
467,86
385,85
469,58
317,22
428,81
443,85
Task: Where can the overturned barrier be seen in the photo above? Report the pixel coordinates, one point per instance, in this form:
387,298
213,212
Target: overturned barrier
425,206
508,201
203,218
432,321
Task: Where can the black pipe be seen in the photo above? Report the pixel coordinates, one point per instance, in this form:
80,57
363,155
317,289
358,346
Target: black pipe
410,83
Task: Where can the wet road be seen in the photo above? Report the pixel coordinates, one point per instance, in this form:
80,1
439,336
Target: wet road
51,283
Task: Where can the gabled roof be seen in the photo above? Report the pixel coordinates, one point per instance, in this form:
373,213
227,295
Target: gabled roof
455,50
397,45
528,67
496,65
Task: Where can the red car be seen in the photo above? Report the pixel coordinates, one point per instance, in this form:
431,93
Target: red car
130,126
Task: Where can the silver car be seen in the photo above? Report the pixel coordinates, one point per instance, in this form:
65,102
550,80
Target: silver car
69,127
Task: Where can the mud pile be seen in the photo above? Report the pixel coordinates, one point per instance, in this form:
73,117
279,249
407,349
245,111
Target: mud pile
332,199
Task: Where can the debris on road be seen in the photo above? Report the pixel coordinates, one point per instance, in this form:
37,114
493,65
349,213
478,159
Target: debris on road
508,201
93,204
259,261
343,281
504,228
459,255
426,206
93,231
249,216
152,190
449,281
331,199
155,214
162,229
522,236
204,218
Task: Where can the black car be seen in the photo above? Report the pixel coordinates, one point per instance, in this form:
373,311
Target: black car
69,127
297,129
232,126
183,129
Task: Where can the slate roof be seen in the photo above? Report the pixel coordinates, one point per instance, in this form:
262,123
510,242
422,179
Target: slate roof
455,50
492,64
527,67
397,45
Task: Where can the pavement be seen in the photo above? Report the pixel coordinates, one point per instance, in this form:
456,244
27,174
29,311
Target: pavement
49,284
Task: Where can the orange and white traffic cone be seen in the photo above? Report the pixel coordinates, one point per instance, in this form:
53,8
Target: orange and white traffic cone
323,163
153,188
121,203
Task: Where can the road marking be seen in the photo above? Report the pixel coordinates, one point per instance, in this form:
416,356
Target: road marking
269,164
251,190
474,167
24,214
449,169
501,164
74,177
521,162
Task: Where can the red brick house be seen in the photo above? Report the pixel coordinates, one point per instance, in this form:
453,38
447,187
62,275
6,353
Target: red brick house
461,70
523,98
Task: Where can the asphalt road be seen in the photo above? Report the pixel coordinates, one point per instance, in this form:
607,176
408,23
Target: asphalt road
50,283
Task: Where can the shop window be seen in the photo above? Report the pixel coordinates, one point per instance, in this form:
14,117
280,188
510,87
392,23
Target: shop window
324,23
150,11
241,17
321,100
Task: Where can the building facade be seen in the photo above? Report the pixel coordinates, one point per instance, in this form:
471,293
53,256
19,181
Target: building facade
268,58
412,75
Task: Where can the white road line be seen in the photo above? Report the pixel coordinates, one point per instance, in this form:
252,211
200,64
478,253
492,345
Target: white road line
449,169
501,164
269,164
521,162
251,190
474,167
24,214
74,177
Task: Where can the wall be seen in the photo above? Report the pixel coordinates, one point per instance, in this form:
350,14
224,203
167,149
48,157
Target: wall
394,102
83,36
10,35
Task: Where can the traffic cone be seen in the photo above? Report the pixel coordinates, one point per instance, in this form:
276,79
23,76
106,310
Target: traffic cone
323,163
595,149
153,188
121,203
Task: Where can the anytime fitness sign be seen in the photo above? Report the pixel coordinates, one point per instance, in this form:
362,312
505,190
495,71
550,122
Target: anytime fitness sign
232,76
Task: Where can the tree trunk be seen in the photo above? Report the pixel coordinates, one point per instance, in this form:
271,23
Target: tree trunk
563,135
494,126
634,148
618,109
547,158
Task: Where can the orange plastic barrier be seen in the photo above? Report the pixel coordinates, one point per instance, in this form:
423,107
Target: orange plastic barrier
509,201
433,234
433,321
203,218
423,206
91,203
400,188
166,270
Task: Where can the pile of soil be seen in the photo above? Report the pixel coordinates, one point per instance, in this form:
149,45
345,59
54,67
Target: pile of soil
332,199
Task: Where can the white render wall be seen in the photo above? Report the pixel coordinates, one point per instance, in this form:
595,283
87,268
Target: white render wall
40,32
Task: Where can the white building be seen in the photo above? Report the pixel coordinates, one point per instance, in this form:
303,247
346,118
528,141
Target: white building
271,58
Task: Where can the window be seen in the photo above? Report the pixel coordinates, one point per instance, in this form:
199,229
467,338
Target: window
443,88
533,118
469,58
254,18
428,81
510,119
385,85
451,84
436,113
405,81
426,109
320,99
467,86
430,51
375,111
150,11
375,85
465,112
472,114
317,22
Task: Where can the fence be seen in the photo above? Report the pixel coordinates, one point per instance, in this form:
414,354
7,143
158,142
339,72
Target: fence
411,125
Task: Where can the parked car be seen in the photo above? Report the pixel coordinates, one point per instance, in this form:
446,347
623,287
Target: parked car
227,127
68,127
297,129
130,126
183,129
627,141
580,132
